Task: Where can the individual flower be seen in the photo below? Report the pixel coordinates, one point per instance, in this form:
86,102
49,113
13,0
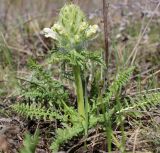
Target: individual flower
59,29
92,30
49,33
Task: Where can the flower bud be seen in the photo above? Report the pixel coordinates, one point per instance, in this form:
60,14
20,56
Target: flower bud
77,38
57,27
83,26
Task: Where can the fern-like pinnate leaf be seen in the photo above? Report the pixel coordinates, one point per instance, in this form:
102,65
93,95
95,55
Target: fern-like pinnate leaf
121,79
63,135
66,134
75,58
142,102
37,112
41,88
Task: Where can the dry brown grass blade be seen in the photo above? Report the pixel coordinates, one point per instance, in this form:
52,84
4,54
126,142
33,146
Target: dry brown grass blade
135,139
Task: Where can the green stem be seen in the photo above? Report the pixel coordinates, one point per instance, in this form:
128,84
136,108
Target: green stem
79,90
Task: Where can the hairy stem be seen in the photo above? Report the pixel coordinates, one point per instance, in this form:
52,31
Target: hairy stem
79,90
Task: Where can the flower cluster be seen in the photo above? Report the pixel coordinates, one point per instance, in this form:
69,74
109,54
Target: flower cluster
71,29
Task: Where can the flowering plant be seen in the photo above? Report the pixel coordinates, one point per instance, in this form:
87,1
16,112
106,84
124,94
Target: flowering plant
71,33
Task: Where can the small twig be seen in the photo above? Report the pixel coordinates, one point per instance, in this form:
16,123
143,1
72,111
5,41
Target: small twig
106,38
81,142
105,20
135,139
145,72
144,91
151,75
35,27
